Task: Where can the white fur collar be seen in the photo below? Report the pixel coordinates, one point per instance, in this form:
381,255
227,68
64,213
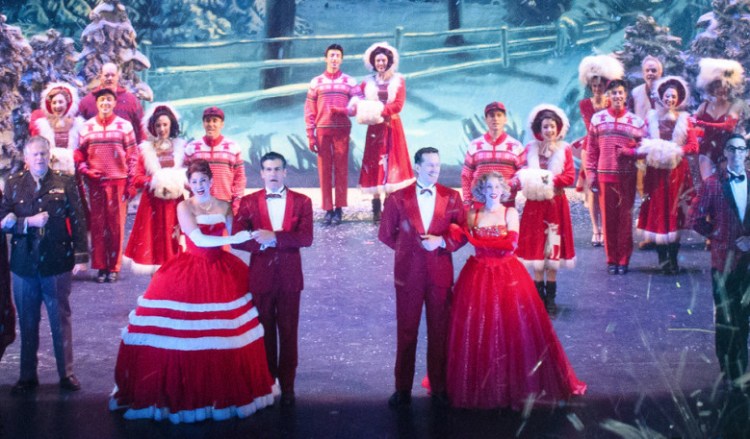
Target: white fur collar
371,87
556,162
679,134
151,160
46,131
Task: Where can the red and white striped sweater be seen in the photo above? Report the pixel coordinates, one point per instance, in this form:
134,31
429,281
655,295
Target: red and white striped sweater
505,155
612,140
225,159
108,146
327,91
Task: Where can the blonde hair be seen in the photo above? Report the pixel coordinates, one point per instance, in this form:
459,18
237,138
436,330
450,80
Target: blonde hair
477,189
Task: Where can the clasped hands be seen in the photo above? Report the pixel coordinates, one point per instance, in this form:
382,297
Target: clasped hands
39,220
266,238
431,242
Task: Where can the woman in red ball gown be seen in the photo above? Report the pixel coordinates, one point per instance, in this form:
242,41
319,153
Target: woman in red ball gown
155,238
193,349
502,348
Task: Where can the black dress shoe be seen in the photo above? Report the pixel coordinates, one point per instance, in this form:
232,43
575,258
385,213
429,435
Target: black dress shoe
328,218
612,269
400,399
22,387
70,383
287,399
101,277
112,277
622,269
337,214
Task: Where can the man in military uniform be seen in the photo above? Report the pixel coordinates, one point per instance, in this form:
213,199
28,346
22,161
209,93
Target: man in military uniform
43,212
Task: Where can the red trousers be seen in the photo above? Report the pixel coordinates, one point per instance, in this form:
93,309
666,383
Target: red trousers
409,302
278,312
616,201
108,213
333,161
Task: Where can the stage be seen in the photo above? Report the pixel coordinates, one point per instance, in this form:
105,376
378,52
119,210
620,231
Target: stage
643,343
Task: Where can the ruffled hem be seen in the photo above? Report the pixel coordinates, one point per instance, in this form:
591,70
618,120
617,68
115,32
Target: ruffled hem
197,415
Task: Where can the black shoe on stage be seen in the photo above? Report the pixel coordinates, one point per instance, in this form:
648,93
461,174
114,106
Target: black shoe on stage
70,383
400,399
337,214
23,387
328,218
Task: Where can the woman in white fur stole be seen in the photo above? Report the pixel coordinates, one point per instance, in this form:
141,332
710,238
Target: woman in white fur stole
545,241
160,173
668,185
57,122
386,166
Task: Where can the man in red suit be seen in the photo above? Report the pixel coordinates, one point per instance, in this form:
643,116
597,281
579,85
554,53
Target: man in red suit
280,222
721,213
415,223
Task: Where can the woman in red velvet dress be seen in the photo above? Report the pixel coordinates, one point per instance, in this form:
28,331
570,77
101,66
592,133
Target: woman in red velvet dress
502,348
193,349
546,235
160,173
722,80
386,166
667,186
594,72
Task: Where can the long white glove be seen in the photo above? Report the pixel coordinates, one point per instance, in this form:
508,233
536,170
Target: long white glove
202,240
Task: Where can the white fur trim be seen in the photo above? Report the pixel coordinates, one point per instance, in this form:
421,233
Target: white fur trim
371,87
142,269
604,66
661,154
536,183
660,238
166,183
369,112
539,265
73,109
383,44
46,131
556,163
196,415
557,110
150,112
61,159
729,71
683,84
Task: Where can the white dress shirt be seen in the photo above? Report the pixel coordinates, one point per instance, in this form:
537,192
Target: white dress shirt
426,197
739,190
276,208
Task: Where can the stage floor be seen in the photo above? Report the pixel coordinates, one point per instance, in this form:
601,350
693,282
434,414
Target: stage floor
643,343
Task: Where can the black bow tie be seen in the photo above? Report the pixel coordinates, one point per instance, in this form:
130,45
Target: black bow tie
739,178
273,196
424,190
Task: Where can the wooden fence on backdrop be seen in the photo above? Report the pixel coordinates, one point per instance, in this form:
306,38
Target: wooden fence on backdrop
204,71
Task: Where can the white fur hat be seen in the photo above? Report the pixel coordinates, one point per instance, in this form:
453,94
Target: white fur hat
728,71
603,66
384,45
69,90
562,131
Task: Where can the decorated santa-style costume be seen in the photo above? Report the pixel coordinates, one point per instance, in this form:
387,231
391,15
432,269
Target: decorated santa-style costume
160,173
668,186
546,232
62,131
108,146
386,166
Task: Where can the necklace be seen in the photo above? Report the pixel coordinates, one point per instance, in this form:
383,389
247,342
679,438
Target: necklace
205,209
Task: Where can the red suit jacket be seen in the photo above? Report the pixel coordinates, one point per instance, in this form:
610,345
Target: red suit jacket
714,214
401,228
280,266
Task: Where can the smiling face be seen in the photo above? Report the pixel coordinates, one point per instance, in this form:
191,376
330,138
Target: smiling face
109,76
381,63
670,98
105,104
549,129
334,58
618,96
36,157
273,174
428,170
493,190
162,126
736,153
59,104
495,120
200,185
213,126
